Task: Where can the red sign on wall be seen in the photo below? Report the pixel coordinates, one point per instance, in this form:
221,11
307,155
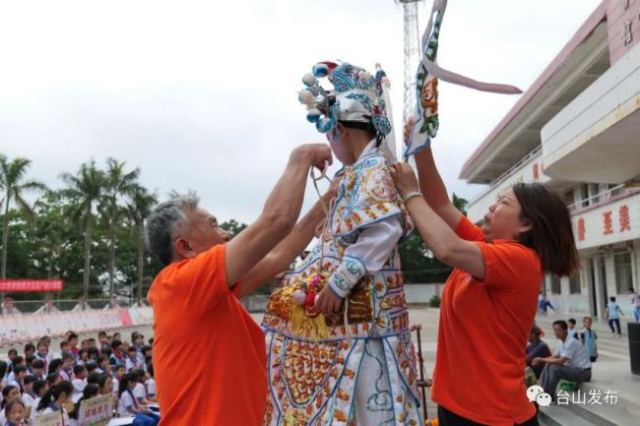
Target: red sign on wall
625,223
608,223
581,230
30,285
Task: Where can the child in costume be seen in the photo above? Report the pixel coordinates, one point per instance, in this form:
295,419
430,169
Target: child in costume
355,366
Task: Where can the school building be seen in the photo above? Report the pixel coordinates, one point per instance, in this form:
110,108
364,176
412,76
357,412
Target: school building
577,129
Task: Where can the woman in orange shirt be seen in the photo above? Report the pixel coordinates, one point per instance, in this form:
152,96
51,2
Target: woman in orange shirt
489,301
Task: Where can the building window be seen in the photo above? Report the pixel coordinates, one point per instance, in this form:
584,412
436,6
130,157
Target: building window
624,274
556,288
615,191
574,284
584,194
595,193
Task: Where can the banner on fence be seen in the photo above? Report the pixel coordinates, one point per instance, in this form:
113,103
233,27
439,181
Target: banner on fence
30,285
51,419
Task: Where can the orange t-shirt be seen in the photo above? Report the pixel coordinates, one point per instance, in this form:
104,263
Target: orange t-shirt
209,355
484,326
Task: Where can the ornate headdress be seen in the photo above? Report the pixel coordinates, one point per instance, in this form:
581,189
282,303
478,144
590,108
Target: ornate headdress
357,96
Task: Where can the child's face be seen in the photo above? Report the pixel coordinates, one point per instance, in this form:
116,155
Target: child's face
13,355
28,386
44,390
13,394
587,322
64,348
17,414
132,384
139,341
68,363
120,373
21,375
571,325
38,371
73,342
42,349
84,356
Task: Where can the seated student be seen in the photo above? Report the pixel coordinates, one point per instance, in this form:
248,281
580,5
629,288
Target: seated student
105,383
128,406
94,353
569,362
117,376
9,393
79,381
66,374
53,379
28,395
55,400
132,359
117,356
29,350
536,348
150,384
43,353
17,361
55,367
40,387
139,391
19,374
64,349
92,378
589,339
12,354
90,391
83,356
29,362
15,412
103,365
38,369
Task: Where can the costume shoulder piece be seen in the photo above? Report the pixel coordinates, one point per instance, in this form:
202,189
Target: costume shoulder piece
367,195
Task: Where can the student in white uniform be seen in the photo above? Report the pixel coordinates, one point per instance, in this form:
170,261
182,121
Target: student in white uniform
79,382
29,396
119,372
150,384
40,387
128,405
16,413
55,400
90,391
9,393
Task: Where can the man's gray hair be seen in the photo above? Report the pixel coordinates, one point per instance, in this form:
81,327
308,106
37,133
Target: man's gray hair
163,222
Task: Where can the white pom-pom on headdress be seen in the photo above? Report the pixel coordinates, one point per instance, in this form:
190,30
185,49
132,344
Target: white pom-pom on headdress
309,80
306,97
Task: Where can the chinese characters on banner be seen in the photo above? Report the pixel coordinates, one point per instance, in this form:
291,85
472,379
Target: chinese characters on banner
30,285
96,411
51,419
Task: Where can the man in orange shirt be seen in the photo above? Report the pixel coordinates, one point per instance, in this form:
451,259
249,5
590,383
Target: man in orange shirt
198,320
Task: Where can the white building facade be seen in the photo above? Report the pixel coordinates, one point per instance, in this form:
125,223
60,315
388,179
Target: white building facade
577,129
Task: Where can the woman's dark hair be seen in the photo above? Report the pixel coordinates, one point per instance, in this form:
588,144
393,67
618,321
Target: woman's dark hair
5,393
38,385
54,365
11,405
54,393
89,392
551,233
150,368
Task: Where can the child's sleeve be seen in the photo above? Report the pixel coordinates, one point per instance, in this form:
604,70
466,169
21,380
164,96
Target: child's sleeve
367,255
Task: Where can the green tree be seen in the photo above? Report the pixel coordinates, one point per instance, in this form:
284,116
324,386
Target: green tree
117,184
233,227
85,190
459,203
13,184
139,207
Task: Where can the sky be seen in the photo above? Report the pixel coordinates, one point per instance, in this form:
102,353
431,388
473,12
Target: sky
202,96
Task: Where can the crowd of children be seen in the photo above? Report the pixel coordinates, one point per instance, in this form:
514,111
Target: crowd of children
40,381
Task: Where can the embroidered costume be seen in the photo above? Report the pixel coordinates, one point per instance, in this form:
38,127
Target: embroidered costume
356,367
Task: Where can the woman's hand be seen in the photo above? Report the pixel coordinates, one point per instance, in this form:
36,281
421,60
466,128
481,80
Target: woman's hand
405,178
407,130
328,302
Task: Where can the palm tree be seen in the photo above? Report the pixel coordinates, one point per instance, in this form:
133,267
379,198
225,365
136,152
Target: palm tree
13,184
85,190
117,184
139,207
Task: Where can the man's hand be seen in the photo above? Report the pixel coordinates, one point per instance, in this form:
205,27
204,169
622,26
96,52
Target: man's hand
328,302
537,361
405,178
316,154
